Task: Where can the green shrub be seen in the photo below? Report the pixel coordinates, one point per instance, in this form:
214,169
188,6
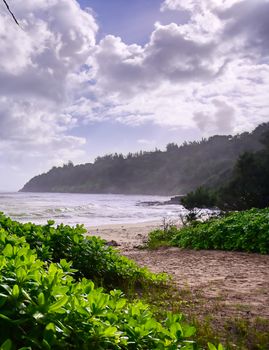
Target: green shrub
202,197
42,306
161,238
241,231
90,256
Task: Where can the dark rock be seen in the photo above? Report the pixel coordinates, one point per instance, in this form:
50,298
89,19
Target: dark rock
173,200
112,244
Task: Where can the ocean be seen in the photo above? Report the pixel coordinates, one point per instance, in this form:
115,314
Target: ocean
87,209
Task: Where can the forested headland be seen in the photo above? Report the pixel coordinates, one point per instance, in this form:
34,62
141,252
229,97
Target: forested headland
247,187
177,170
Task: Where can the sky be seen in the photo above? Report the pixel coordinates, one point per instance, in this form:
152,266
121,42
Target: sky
79,79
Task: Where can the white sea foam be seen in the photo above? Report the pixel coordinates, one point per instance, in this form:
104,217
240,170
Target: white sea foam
87,209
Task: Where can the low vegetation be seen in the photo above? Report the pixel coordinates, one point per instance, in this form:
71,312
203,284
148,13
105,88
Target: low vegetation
57,288
42,306
240,231
90,256
213,320
216,319
46,301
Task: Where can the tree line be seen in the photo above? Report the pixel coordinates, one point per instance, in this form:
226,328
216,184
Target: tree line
177,170
248,186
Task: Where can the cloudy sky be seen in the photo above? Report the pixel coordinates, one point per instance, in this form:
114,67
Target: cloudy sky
83,78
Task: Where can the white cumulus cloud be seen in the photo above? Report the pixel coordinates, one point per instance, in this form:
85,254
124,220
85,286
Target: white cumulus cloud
209,73
41,63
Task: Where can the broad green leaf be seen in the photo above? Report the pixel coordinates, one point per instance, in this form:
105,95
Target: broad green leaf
5,317
58,304
3,236
15,291
76,238
51,327
121,303
21,274
8,250
45,345
7,345
51,222
41,299
110,331
2,262
189,331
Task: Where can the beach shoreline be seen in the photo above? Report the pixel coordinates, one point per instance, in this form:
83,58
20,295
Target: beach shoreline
126,236
234,282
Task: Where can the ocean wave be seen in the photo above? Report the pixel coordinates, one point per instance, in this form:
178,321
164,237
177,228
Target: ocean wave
84,209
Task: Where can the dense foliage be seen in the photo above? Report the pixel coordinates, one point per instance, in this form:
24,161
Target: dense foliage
242,231
200,198
91,257
247,188
42,306
179,169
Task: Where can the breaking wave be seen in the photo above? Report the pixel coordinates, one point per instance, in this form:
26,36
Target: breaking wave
87,209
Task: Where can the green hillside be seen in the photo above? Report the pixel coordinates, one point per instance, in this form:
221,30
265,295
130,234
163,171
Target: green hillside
178,169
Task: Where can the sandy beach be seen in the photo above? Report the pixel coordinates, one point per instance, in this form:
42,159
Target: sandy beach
127,236
218,282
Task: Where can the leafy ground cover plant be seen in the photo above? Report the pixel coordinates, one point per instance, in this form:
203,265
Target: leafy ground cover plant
42,306
90,256
161,238
241,231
